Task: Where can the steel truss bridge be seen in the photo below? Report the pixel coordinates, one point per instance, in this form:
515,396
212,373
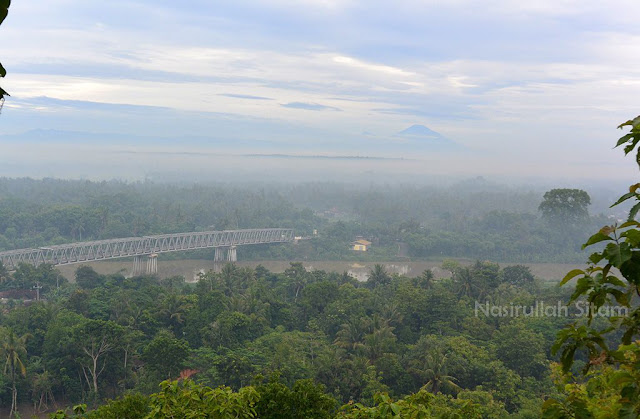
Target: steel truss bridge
149,246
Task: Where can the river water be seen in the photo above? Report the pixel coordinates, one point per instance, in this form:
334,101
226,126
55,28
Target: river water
190,268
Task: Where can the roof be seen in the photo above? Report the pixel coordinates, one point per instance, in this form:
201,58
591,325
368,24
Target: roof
362,242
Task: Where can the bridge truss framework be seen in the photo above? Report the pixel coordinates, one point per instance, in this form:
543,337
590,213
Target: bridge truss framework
150,246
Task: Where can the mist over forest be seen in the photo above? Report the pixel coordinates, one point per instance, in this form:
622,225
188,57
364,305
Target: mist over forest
473,218
319,209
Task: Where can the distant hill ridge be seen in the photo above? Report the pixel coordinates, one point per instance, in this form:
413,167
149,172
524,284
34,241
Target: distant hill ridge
424,137
420,131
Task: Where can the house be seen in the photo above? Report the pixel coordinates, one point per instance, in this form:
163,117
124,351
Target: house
361,245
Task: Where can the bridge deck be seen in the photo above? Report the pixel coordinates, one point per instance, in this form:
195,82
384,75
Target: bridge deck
66,254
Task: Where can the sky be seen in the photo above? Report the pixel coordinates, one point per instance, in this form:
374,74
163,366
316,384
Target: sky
524,89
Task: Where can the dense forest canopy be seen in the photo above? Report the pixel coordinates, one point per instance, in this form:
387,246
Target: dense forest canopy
105,336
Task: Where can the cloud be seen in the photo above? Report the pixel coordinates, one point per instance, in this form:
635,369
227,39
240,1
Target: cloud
309,106
238,96
371,67
539,75
435,112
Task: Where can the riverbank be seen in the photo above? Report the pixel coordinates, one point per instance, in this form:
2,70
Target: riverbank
190,268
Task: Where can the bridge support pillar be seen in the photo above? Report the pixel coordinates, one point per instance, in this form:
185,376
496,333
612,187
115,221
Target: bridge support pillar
145,265
222,255
138,265
152,264
218,255
232,254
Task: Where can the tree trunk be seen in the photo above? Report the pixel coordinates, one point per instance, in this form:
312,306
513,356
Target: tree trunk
14,399
94,373
124,382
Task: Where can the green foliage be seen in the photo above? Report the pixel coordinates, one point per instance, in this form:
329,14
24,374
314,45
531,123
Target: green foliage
610,388
378,276
88,278
474,282
27,276
518,275
425,405
122,335
605,392
165,355
130,406
630,141
186,399
522,350
304,400
565,206
13,351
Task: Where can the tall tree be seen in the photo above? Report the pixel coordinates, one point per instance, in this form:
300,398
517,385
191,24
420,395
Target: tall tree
13,348
433,372
96,339
165,354
565,206
378,276
87,277
466,284
298,277
518,275
351,334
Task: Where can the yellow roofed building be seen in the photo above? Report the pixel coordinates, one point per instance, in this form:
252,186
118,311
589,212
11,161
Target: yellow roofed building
361,245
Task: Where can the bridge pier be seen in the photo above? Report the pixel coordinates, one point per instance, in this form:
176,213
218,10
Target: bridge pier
223,255
232,254
145,265
138,265
152,264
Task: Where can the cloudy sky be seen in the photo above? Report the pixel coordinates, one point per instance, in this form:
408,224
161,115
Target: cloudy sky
525,87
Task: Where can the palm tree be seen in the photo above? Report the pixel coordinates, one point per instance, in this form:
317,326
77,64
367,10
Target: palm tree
298,277
380,341
229,278
433,371
351,335
13,347
173,310
466,284
378,276
391,314
425,280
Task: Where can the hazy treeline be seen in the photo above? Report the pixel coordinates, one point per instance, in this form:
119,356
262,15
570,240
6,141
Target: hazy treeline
475,219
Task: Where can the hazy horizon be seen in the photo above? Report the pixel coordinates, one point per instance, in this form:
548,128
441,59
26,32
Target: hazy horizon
128,90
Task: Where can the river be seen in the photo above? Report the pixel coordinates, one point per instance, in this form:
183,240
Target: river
190,268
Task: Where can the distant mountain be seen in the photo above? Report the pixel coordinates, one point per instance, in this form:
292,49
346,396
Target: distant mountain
420,131
426,138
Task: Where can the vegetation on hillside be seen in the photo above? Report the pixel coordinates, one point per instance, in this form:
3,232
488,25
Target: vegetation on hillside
394,343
